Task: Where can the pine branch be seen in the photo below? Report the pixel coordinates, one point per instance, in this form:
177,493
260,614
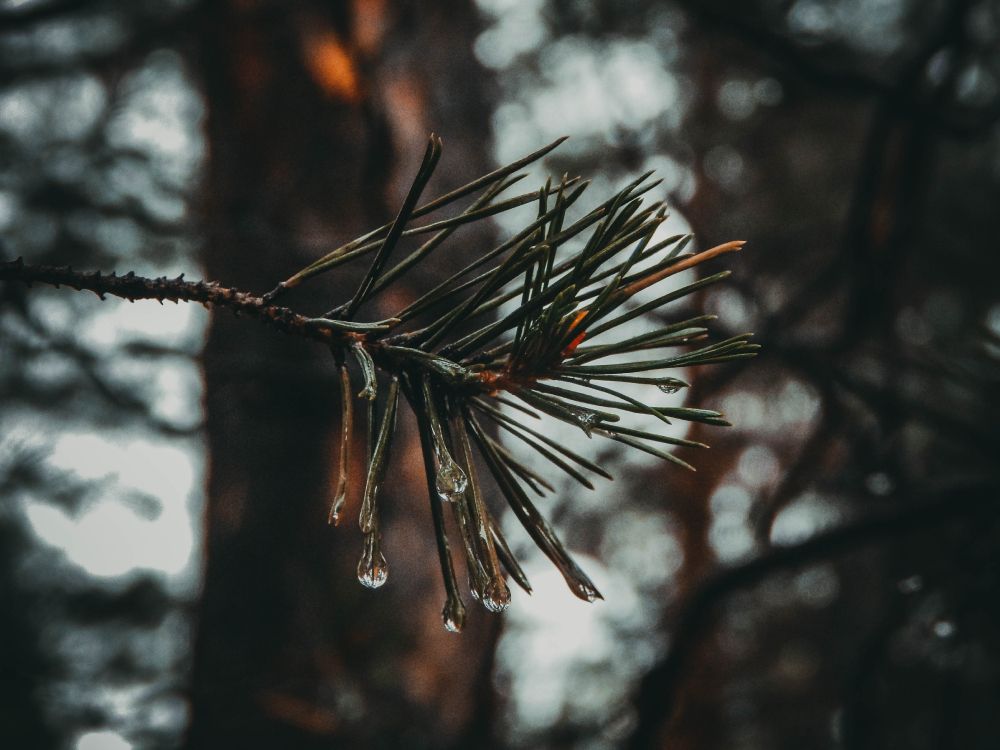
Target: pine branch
476,353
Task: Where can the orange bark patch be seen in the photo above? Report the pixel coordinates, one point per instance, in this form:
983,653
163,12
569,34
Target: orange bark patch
370,24
332,66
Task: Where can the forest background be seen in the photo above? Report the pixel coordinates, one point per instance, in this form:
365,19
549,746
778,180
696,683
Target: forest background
827,579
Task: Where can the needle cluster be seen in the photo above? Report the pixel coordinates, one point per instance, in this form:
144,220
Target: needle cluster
515,326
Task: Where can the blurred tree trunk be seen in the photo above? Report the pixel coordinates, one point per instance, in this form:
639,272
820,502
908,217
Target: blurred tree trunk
26,667
309,106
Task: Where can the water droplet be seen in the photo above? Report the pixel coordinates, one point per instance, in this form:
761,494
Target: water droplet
586,591
910,585
586,419
670,385
373,575
372,567
944,629
473,588
879,483
366,517
496,597
337,507
450,481
453,615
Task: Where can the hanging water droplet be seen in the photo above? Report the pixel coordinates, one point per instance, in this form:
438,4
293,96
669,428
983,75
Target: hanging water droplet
373,575
496,597
344,460
586,591
944,629
670,385
450,480
453,615
586,419
372,567
337,507
366,516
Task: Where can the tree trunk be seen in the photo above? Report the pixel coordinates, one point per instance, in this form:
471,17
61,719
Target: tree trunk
309,105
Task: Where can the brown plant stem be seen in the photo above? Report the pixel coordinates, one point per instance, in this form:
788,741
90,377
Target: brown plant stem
132,287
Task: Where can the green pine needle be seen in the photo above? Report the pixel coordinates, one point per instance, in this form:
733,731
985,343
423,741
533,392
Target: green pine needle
515,327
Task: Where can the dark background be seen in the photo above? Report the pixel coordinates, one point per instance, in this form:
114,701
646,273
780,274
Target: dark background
828,578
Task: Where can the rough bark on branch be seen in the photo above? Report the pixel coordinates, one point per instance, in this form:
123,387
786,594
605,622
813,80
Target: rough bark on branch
132,287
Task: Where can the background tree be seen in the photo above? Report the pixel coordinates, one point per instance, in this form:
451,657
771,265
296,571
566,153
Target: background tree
317,114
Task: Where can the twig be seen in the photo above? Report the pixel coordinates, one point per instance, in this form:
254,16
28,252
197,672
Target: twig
132,287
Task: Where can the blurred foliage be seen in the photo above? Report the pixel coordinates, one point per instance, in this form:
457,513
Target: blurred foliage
99,138
854,143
